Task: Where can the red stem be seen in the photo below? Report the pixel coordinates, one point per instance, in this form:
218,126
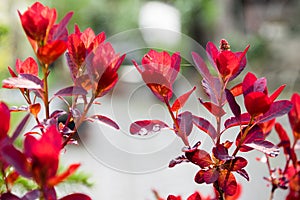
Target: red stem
46,92
181,135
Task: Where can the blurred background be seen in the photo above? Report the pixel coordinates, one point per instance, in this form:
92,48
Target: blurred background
271,27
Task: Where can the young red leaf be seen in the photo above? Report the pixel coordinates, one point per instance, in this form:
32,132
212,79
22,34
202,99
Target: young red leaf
260,85
185,122
51,51
146,127
76,196
105,120
180,101
11,71
264,146
205,126
277,109
277,93
57,179
257,103
29,66
71,91
237,90
213,108
35,109
59,31
212,53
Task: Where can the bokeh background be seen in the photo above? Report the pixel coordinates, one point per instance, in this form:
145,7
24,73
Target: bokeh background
271,27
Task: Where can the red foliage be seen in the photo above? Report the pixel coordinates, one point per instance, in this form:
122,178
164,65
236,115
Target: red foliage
49,40
159,71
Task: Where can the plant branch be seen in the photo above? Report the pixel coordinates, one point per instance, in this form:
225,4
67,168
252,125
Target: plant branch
46,92
78,122
180,133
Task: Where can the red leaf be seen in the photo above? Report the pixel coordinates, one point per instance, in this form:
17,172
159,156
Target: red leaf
185,122
33,194
210,175
199,157
214,109
59,31
277,93
199,178
212,53
57,179
284,139
237,90
277,109
221,153
294,115
48,53
146,127
29,66
257,103
260,85
180,101
229,186
20,82
248,83
76,196
237,121
205,126
9,196
212,88
5,120
12,73
17,159
195,196
20,127
264,146
105,120
255,134
234,106
35,109
172,197
243,173
177,161
201,66
239,163
71,91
